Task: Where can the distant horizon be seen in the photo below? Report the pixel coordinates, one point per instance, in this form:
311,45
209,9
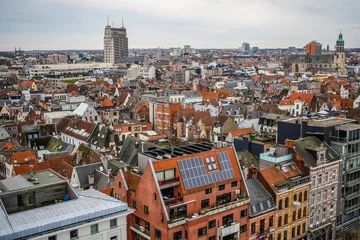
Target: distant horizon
206,24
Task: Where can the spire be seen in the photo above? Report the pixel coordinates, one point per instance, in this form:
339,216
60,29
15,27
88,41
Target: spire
107,21
122,23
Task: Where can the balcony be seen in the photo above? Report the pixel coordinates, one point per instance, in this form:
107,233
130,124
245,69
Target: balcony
165,183
225,207
140,230
231,229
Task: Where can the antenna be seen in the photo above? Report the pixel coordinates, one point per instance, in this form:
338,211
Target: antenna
122,23
112,23
107,21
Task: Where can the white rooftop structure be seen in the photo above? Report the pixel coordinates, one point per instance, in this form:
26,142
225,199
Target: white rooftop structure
80,110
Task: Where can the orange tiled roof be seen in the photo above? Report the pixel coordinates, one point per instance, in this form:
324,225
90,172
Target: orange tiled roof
306,97
107,191
107,103
19,157
209,95
242,131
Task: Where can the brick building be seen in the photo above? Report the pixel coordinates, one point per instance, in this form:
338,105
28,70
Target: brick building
188,192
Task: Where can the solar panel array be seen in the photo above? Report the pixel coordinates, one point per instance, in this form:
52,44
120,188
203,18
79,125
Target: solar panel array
194,174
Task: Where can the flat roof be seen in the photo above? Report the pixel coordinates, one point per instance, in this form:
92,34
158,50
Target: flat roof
350,126
327,122
72,66
90,204
59,114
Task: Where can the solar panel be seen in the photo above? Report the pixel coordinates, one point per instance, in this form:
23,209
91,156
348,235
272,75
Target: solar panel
194,174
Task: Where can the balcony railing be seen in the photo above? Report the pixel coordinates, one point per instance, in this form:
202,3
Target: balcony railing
173,200
164,182
141,229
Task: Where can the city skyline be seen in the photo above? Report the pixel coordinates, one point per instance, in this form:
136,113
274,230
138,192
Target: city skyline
201,24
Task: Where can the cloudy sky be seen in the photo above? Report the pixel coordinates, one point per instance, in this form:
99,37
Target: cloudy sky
79,24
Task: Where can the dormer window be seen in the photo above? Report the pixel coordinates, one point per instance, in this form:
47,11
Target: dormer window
211,164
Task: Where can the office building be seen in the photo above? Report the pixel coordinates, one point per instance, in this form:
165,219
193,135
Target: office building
245,47
42,205
313,48
115,44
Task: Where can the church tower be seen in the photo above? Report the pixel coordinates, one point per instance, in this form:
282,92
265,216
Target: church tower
340,55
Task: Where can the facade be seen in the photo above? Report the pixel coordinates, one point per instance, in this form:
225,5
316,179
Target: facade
164,114
323,164
59,210
346,141
290,190
115,44
245,47
313,48
170,204
87,113
299,103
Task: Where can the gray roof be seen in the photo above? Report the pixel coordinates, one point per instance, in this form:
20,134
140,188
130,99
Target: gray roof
260,199
316,59
90,204
16,182
84,171
307,147
192,93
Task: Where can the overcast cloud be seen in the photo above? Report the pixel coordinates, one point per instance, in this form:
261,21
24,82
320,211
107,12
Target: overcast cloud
79,24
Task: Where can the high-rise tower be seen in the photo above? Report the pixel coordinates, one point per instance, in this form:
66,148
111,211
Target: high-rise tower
115,43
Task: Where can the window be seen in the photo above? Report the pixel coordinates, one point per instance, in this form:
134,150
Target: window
154,196
326,177
113,238
212,224
211,164
205,203
271,221
331,210
137,220
294,216
243,213
324,214
313,181
134,204
243,228
234,184
119,184
113,223
212,238
333,192
325,195
165,175
157,233
280,204
312,198
319,179
208,191
304,212
285,235
222,187
286,219
146,210
279,236
94,229
279,221
300,197
298,230
52,238
295,197
202,231
262,226
311,220
74,234
303,227
293,232
177,235
319,197
147,225
299,213
305,196
227,220
286,202
334,175
253,228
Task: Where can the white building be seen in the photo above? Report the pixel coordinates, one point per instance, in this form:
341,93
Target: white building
87,113
55,117
66,214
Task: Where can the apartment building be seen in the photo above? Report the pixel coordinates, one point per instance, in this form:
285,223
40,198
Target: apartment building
290,190
323,164
164,115
188,192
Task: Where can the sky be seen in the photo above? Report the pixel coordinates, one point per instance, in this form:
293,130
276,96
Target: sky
79,24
